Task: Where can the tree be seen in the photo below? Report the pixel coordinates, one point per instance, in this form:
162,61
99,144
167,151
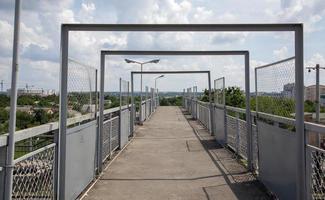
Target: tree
235,97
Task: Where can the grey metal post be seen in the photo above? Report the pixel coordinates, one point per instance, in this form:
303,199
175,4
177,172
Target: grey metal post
13,104
248,114
299,78
63,110
120,118
132,119
317,94
96,94
225,111
256,92
101,113
210,105
140,118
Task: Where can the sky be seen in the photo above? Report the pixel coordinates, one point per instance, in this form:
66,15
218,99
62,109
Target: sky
40,39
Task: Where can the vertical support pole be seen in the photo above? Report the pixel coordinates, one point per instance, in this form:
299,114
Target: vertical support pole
96,94
256,92
140,118
317,94
210,105
120,118
225,111
248,114
101,113
63,110
300,132
132,118
13,104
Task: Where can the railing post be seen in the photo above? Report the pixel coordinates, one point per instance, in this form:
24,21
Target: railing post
237,134
300,129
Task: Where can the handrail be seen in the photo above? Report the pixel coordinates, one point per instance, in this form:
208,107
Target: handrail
52,126
319,128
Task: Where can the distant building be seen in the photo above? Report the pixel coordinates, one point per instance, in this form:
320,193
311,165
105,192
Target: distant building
310,93
289,90
322,99
32,91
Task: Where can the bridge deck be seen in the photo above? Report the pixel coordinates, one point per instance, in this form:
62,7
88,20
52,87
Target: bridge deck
172,157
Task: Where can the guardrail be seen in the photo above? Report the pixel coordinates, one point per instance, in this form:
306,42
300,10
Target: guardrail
36,169
235,137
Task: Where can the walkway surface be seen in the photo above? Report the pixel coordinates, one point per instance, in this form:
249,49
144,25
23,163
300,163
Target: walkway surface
173,157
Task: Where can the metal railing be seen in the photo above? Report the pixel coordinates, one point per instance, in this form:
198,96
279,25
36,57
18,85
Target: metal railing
35,172
236,133
315,162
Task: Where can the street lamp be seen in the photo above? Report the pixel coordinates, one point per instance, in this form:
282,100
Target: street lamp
316,68
161,76
141,64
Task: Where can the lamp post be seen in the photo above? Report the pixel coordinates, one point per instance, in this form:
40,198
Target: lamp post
161,76
141,65
317,68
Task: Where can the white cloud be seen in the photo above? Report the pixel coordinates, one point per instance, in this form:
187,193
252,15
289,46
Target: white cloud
310,12
6,36
87,11
281,53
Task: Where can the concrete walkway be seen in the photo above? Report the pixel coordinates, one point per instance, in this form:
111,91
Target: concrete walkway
175,158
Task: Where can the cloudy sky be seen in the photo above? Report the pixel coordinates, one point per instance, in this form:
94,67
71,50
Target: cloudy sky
40,36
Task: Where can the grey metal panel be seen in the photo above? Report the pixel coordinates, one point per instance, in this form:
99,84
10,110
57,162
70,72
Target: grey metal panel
277,160
80,163
125,121
231,131
219,124
242,135
3,156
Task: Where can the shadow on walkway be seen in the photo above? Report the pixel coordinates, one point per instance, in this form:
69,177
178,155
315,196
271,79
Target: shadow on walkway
242,182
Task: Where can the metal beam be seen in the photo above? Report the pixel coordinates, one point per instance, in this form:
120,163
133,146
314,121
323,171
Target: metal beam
170,72
182,27
175,53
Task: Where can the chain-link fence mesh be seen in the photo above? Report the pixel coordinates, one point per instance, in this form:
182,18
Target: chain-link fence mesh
33,175
81,89
316,172
219,91
276,88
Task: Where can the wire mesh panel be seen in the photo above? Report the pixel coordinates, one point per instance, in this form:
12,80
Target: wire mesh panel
255,146
204,115
107,128
81,136
277,140
231,131
125,113
147,113
219,91
152,99
275,86
315,172
194,106
115,139
189,102
33,175
242,138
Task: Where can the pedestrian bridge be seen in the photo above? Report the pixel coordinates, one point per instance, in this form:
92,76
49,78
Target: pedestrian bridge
174,157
